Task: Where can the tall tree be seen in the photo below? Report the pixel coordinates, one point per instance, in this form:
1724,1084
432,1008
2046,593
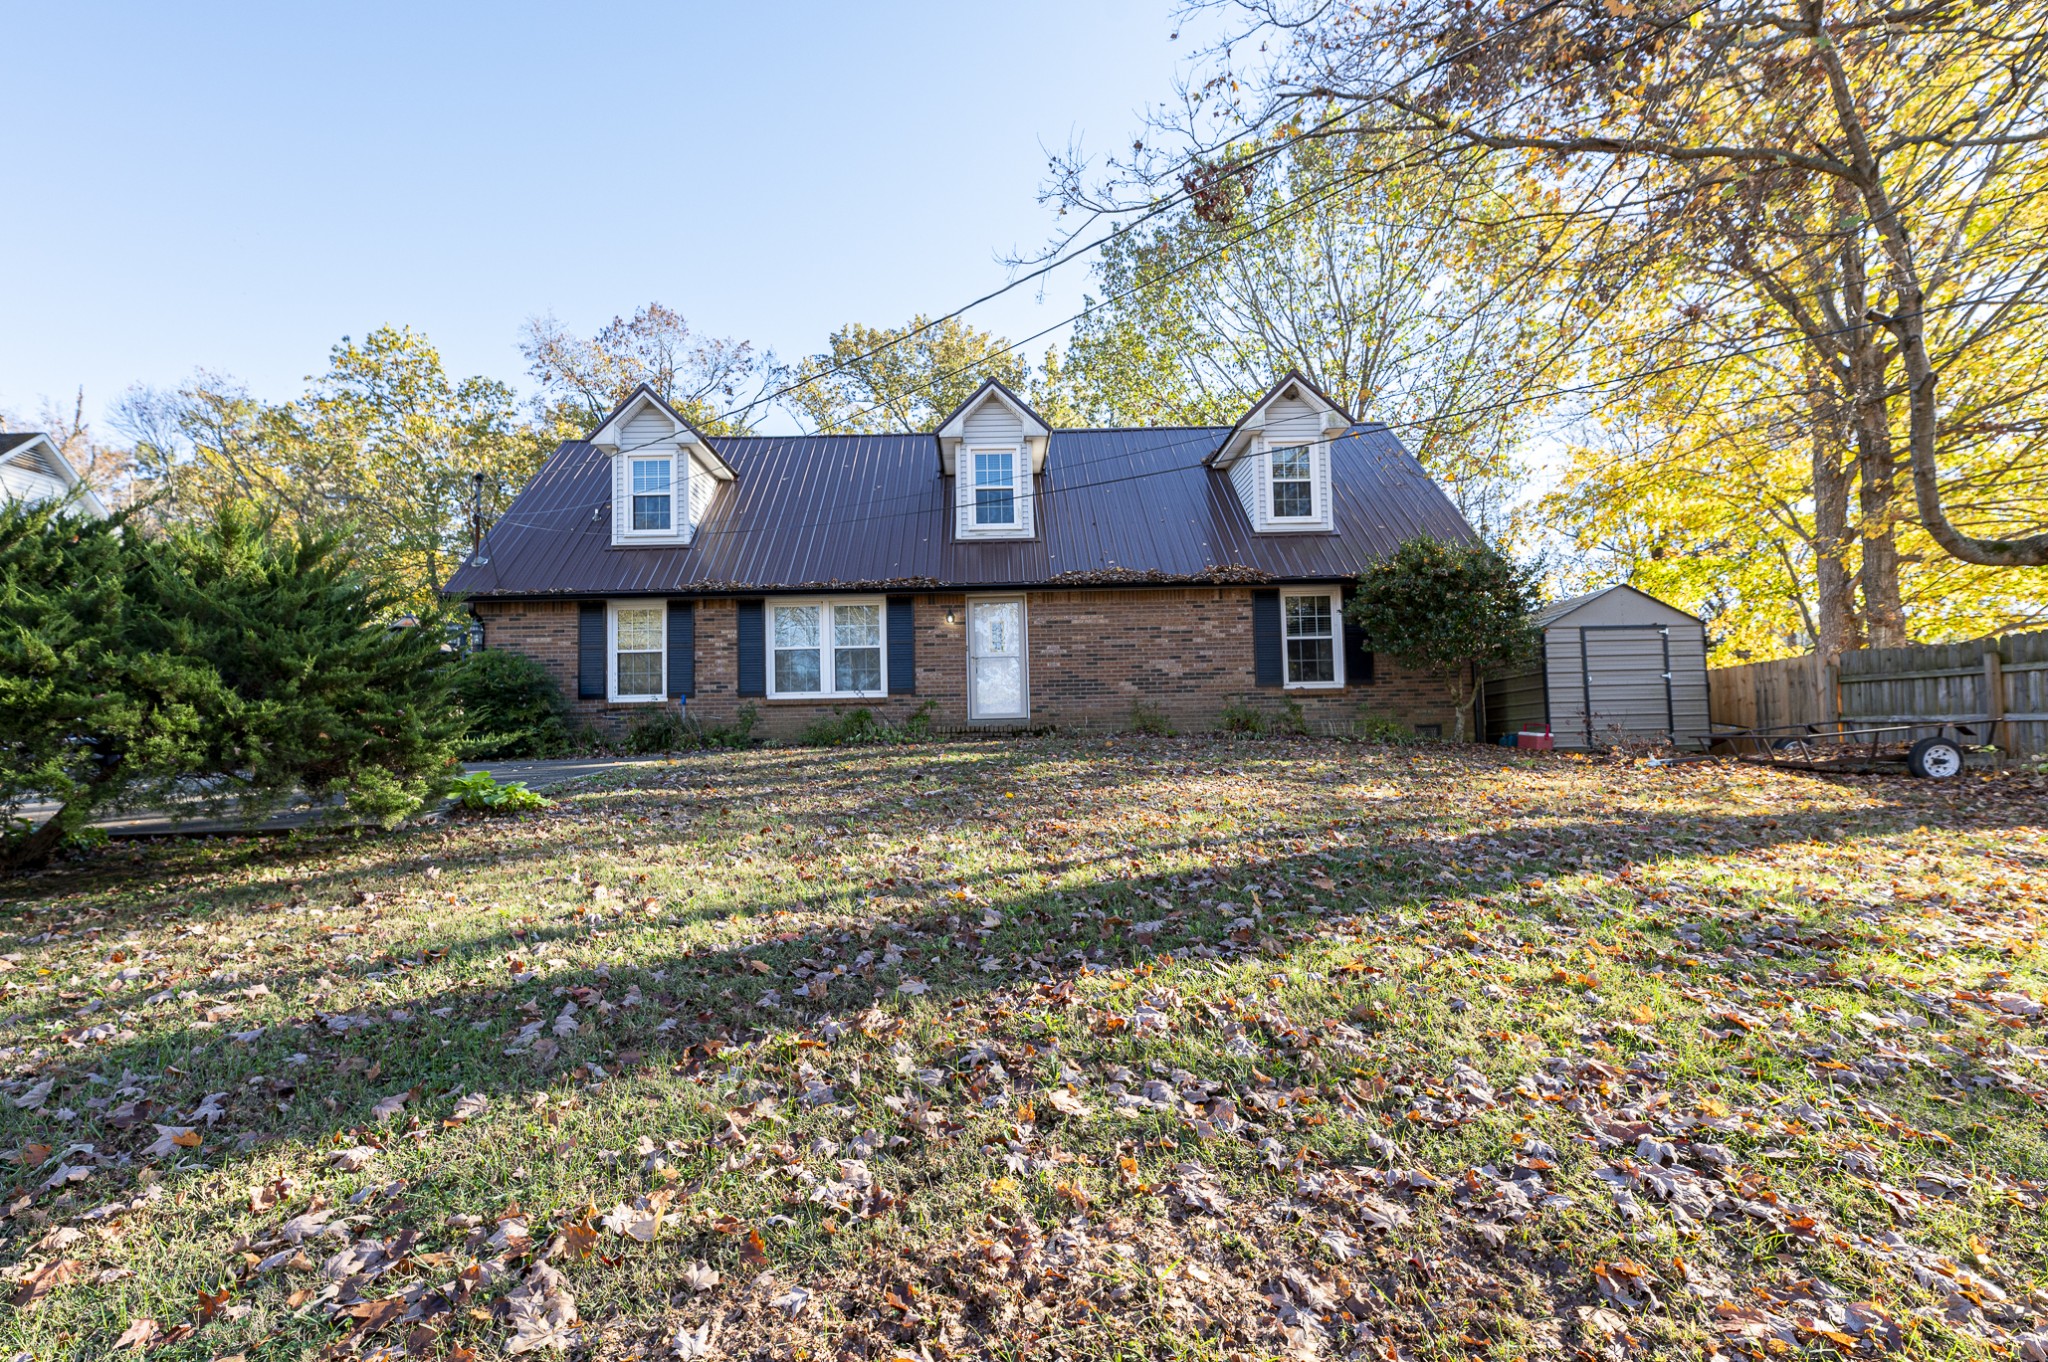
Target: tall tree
1929,122
905,378
1391,283
582,378
384,450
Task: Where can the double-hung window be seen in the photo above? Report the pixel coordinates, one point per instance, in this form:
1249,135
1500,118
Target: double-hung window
827,649
653,495
1310,621
1292,472
995,487
639,649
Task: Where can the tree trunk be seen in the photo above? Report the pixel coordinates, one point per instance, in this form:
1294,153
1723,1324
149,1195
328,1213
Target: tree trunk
1884,610
1838,629
34,851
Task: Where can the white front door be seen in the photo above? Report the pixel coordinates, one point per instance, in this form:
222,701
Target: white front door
996,686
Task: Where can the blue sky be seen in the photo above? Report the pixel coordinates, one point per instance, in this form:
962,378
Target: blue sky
239,186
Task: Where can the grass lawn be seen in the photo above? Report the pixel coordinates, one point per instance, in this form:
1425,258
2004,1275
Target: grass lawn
1175,1048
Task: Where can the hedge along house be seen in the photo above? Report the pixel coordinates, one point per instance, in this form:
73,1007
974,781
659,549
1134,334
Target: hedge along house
1618,665
1007,573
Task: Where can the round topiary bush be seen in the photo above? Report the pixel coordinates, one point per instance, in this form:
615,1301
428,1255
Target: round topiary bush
510,707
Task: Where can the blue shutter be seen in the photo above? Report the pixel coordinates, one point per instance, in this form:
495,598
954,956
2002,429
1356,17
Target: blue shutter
750,636
1357,653
1266,639
682,649
590,651
902,646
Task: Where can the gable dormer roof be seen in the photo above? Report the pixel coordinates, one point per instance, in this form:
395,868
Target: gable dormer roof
34,462
1034,431
1293,386
612,429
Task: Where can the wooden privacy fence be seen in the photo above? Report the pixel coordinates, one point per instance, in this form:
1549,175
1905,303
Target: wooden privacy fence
1997,687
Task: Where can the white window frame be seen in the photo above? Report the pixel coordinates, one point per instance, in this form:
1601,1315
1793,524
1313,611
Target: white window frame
673,529
611,651
1023,659
1021,524
827,671
1273,480
1336,598
1016,520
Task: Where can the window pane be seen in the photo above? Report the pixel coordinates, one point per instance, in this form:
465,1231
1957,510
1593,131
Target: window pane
1308,617
639,630
998,686
1311,660
993,470
1291,463
796,626
857,669
995,627
857,626
1293,499
796,670
639,673
650,513
995,506
650,475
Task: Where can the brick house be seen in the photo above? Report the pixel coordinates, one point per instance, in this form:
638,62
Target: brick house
1005,573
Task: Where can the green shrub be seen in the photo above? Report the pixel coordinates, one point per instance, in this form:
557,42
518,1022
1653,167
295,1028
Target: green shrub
1382,728
480,792
1150,719
1241,716
236,658
661,731
861,726
510,707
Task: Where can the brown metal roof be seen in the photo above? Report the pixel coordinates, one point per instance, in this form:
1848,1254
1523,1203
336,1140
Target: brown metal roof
845,512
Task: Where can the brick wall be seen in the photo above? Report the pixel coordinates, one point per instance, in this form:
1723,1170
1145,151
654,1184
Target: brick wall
1094,658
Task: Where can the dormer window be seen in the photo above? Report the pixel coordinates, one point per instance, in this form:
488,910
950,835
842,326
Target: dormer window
991,450
663,473
995,487
1292,474
653,499
1278,458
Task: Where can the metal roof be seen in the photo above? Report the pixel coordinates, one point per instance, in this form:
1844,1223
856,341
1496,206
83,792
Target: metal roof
867,512
1557,610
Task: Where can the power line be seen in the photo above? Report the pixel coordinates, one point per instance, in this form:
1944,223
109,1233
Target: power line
1206,435
1170,201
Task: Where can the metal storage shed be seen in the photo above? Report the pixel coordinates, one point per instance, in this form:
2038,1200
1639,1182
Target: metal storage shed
1617,665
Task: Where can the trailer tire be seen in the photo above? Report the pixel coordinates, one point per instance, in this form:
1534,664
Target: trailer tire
1935,759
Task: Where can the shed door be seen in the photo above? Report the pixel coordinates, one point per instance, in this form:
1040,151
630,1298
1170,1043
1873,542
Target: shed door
1627,681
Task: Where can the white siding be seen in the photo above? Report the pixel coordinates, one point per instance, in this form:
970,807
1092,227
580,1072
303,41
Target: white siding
650,432
701,488
992,425
646,432
1291,421
26,479
1248,476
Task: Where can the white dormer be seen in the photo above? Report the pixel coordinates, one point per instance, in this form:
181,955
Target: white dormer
33,469
993,447
663,472
1278,458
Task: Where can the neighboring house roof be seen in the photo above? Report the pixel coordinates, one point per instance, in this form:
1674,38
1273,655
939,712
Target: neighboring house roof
33,469
867,512
1571,605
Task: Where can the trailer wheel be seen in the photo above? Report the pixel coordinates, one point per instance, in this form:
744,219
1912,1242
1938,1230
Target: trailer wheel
1935,759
